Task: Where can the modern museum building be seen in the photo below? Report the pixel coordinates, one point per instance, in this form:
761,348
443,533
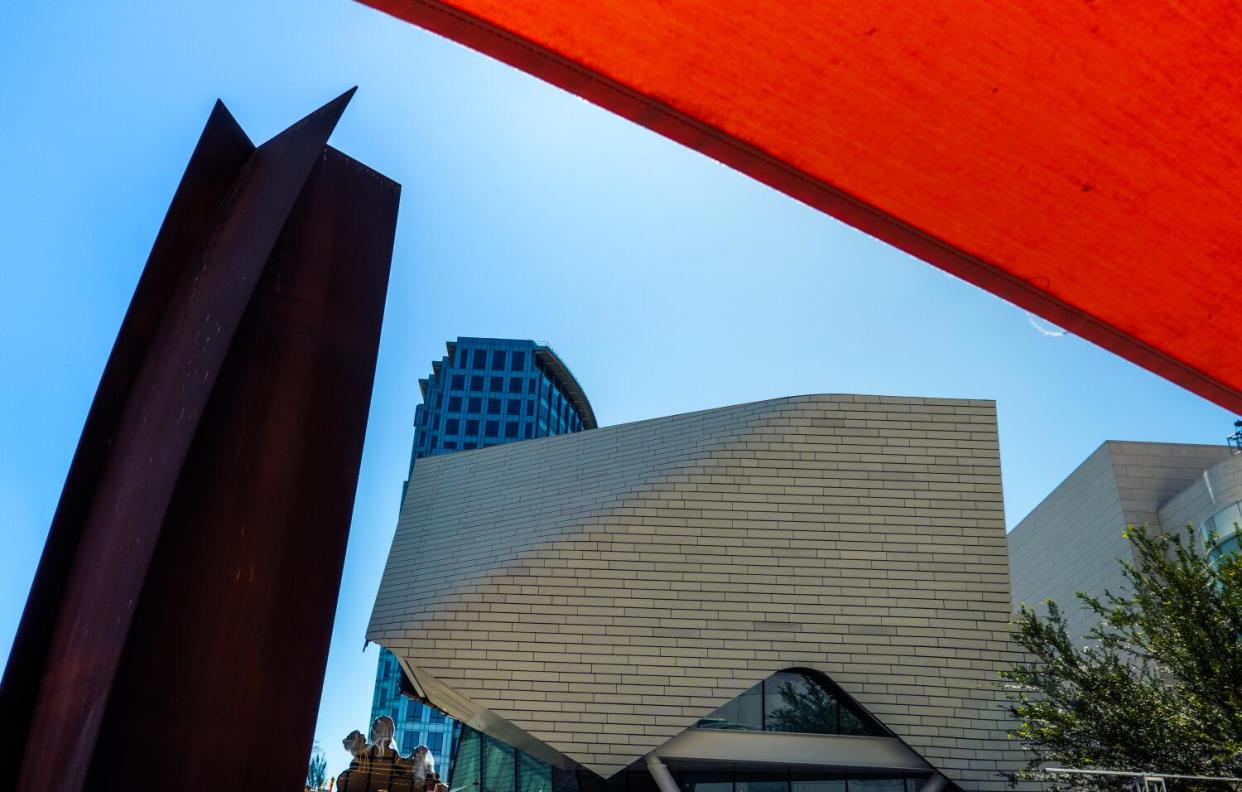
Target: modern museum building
807,594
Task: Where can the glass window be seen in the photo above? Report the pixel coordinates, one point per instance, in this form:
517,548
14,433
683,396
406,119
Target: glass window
1226,547
1225,524
852,723
513,407
530,385
452,426
818,782
450,445
466,760
707,782
407,742
498,385
469,446
499,766
533,775
480,358
476,382
511,429
529,431
493,406
492,429
760,782
463,355
457,381
564,780
454,404
793,701
498,360
864,784
472,428
515,384
474,404
792,704
517,361
742,713
439,400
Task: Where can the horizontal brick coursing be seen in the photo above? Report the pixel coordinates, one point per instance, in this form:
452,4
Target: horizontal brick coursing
603,590
1073,540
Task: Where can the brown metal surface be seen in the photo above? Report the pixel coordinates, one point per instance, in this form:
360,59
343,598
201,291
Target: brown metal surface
222,151
201,580
260,518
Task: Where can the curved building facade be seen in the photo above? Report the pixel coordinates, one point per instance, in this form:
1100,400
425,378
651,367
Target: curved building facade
800,595
483,392
1213,504
1074,539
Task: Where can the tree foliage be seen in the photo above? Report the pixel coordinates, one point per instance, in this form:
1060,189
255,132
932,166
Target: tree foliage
1158,686
317,769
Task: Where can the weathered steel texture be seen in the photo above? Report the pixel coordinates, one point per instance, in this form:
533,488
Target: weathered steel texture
199,596
257,518
221,153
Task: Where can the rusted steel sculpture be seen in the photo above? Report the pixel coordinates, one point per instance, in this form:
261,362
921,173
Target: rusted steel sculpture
190,576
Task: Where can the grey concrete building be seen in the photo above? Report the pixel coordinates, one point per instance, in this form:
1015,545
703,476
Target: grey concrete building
636,606
1072,541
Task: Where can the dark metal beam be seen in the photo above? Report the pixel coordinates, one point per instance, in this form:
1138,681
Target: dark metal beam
198,576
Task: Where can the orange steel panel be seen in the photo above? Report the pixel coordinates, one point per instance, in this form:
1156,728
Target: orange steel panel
1082,160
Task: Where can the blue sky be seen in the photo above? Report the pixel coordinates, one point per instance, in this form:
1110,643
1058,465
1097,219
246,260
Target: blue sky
668,282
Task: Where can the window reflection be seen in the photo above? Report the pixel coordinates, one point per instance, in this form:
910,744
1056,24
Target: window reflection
499,769
817,784
760,783
484,764
1225,524
793,701
744,712
707,782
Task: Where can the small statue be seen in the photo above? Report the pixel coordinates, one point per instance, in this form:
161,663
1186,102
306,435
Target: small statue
382,746
356,744
378,764
424,764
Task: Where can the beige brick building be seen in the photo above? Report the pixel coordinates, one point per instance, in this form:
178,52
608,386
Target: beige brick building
599,599
1072,541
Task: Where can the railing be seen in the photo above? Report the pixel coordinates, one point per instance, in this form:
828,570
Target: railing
1144,782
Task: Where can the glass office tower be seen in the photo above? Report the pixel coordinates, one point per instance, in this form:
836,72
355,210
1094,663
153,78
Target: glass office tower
483,392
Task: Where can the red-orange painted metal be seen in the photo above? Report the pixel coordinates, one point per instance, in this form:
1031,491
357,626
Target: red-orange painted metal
1082,160
189,585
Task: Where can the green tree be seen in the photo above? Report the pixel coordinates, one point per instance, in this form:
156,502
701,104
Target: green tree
317,769
1157,688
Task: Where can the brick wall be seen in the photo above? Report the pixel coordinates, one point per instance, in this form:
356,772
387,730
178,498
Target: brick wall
606,589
